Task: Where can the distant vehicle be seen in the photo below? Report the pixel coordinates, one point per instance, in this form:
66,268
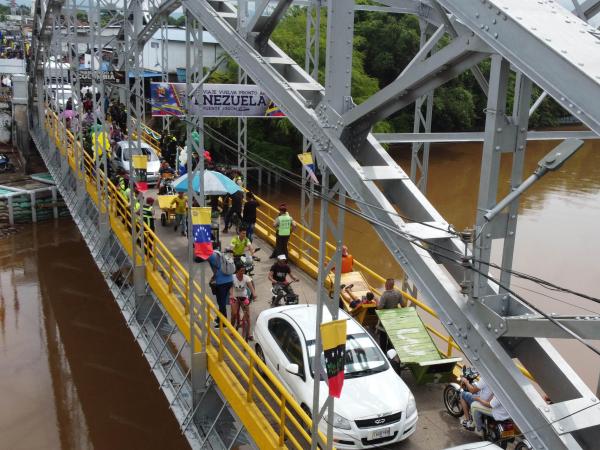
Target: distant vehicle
122,158
376,407
61,96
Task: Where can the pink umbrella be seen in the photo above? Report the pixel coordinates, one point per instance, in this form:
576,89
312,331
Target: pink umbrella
68,113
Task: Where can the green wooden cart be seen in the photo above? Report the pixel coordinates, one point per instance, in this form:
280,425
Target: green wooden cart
415,347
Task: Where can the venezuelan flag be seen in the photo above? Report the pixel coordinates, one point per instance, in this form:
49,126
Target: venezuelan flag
334,347
202,233
274,111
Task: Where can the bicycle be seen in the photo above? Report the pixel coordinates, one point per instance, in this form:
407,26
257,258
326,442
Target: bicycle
242,303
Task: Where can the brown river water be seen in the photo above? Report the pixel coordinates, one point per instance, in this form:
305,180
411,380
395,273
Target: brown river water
73,378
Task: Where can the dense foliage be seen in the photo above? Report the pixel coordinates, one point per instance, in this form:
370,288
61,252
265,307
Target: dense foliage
383,45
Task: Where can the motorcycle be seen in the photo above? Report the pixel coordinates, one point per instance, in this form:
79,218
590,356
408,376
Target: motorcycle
5,164
499,432
245,261
284,292
453,391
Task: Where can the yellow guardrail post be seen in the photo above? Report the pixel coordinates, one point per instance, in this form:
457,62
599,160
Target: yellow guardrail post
282,422
250,381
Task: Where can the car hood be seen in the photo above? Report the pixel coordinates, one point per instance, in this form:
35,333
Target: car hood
378,394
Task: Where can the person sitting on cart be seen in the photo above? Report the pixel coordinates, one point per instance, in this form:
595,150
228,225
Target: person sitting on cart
240,244
164,172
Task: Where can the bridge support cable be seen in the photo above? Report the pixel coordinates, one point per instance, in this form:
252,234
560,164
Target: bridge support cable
370,175
195,124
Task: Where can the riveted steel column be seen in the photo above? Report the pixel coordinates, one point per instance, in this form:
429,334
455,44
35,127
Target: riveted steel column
164,68
311,66
419,164
490,167
242,122
195,123
133,24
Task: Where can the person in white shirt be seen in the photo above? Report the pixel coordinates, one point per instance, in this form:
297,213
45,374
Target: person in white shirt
492,407
239,296
472,392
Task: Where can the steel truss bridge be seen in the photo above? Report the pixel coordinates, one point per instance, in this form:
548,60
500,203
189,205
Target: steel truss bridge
543,43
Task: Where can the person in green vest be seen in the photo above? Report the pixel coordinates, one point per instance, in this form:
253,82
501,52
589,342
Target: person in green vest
284,224
148,213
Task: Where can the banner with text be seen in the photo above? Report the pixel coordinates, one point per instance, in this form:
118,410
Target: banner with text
218,100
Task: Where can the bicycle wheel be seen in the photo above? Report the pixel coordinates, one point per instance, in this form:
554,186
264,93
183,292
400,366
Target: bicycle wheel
245,323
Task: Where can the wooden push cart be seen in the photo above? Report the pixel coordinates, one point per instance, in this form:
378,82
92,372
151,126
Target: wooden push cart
363,313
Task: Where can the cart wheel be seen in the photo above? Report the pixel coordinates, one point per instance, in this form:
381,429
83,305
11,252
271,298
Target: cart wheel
163,219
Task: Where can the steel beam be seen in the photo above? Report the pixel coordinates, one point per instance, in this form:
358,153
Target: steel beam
588,327
268,25
421,77
476,136
438,285
506,24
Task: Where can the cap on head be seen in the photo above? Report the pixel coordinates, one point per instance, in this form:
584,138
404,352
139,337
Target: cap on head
281,258
150,200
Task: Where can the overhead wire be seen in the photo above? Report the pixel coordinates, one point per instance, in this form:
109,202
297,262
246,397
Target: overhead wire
415,240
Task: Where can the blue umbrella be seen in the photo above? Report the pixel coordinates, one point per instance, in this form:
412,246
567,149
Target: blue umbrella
215,183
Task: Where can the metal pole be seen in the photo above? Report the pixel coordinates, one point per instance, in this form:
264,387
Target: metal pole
326,227
243,121
195,122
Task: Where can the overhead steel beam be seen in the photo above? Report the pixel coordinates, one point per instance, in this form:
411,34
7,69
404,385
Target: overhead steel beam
377,183
164,10
268,25
477,136
461,54
506,24
588,327
259,9
589,8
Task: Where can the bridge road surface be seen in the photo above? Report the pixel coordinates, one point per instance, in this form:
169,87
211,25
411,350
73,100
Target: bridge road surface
435,428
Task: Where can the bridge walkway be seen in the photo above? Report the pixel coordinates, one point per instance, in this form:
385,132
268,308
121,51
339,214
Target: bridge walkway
269,413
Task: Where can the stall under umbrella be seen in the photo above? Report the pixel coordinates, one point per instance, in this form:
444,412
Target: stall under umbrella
215,183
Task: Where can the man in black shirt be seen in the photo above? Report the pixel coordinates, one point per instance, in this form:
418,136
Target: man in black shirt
236,208
249,214
280,270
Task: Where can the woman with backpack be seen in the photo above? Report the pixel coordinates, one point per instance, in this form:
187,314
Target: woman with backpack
223,269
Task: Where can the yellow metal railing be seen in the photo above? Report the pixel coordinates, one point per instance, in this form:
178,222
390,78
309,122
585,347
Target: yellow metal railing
272,417
304,253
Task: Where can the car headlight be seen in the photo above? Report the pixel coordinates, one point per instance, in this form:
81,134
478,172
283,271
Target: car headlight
340,422
412,405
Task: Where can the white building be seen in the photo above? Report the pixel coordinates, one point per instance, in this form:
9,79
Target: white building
175,50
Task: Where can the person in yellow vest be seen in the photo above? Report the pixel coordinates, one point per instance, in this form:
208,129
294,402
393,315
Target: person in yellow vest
284,224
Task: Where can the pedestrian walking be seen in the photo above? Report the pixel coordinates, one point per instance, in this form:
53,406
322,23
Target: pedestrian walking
181,205
249,214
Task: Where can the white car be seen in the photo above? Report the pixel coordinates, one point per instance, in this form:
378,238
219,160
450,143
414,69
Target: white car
375,406
122,156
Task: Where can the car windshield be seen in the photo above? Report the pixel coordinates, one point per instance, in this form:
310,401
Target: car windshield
144,150
363,357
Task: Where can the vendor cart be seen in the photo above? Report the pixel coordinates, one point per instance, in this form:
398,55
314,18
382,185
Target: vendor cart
355,289
167,211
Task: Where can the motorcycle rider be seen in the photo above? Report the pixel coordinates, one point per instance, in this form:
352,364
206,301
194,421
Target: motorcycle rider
279,272
491,407
240,244
476,391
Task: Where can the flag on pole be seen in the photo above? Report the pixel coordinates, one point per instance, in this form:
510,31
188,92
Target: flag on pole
140,166
333,335
307,162
274,111
201,218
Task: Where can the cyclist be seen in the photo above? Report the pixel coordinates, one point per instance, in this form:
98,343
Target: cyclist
240,244
279,272
242,292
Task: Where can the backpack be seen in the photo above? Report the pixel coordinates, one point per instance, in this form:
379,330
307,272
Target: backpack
226,263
